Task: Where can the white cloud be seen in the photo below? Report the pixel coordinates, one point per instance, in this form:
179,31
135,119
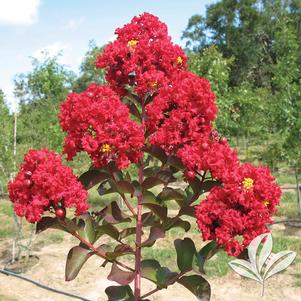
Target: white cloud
19,12
51,50
74,23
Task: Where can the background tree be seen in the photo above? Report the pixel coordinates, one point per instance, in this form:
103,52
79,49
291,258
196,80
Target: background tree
6,142
40,92
88,72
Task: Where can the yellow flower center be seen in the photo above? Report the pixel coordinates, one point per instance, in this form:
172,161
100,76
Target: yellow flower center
132,43
248,183
265,203
179,60
153,84
105,148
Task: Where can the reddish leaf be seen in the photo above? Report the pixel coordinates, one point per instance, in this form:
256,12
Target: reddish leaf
155,233
120,276
92,177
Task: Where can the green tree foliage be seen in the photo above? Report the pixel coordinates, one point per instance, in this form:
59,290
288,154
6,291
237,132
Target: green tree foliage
6,141
40,92
212,65
261,37
245,30
88,72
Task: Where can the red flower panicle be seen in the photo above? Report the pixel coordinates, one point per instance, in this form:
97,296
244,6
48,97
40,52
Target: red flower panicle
182,113
142,56
97,122
43,182
209,155
236,213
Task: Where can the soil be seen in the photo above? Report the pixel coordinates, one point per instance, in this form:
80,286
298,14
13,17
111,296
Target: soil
91,282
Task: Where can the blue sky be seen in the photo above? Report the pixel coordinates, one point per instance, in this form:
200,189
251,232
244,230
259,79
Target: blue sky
28,27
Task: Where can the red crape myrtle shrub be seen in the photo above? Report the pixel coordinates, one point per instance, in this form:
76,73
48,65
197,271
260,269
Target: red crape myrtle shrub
158,116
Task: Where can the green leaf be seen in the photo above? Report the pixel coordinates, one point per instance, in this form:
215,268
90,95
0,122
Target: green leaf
199,258
92,177
149,268
119,293
150,171
149,197
166,176
108,229
198,285
175,162
165,277
120,250
113,214
161,276
127,232
187,210
155,233
149,219
151,182
120,276
86,227
185,251
177,222
106,187
125,187
208,185
159,210
169,193
76,258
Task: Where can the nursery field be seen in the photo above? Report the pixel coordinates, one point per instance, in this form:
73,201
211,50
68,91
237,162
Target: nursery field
52,246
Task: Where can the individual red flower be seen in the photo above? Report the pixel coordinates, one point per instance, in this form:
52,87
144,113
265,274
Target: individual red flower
254,185
234,214
142,54
96,121
182,112
42,183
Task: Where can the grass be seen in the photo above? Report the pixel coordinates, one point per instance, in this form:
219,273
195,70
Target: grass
6,208
55,237
297,279
288,205
5,298
284,178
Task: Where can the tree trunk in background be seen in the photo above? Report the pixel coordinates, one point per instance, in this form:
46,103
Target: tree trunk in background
298,192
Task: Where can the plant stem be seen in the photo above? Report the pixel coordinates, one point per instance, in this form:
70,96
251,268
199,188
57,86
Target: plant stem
137,283
98,252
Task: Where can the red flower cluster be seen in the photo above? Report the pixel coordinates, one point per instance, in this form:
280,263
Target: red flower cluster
142,56
182,113
98,122
210,155
236,213
43,182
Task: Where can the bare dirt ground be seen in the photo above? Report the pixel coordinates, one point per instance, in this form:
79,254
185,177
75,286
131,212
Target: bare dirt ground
92,282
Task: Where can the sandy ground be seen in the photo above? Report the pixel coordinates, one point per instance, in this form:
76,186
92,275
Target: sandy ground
92,282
